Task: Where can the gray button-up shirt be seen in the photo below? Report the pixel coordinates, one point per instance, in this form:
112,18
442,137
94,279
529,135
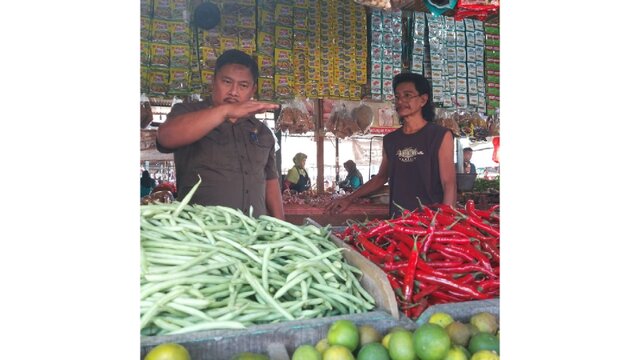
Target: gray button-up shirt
234,161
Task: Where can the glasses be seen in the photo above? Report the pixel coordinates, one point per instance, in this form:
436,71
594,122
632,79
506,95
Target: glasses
405,97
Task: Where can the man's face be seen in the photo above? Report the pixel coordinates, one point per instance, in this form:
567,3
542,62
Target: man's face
407,99
467,155
232,83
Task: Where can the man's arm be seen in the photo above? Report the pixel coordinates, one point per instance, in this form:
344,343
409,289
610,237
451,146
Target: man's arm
273,199
184,129
447,170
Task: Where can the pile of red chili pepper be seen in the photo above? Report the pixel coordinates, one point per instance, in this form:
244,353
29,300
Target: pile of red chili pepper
434,255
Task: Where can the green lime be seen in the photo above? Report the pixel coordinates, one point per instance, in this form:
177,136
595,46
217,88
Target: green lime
337,352
401,345
431,342
440,318
344,332
368,334
456,352
168,351
485,322
459,333
306,352
485,355
484,341
373,351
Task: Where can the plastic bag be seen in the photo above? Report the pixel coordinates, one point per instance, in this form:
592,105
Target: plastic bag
295,118
340,123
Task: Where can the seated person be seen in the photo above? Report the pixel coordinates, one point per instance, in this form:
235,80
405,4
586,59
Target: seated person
354,177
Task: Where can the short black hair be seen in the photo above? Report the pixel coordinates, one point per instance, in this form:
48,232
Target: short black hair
235,56
423,86
467,149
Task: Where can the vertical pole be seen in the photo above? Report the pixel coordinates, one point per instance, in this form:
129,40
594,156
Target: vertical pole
320,145
337,160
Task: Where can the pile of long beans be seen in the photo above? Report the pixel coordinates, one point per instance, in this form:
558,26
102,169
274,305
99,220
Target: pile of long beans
212,267
434,256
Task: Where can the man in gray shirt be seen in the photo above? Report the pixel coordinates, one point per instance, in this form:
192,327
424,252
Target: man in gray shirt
221,141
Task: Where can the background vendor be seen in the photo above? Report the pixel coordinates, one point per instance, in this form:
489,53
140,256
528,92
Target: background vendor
297,178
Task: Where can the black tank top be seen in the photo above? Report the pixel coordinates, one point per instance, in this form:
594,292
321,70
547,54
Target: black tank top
414,168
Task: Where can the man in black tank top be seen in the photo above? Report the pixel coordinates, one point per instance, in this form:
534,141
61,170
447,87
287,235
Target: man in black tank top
418,157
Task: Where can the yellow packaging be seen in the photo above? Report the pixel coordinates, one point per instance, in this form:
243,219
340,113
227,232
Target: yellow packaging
266,66
158,81
162,9
178,9
284,15
266,43
160,55
284,86
266,89
145,28
180,56
208,57
284,37
160,31
227,43
178,81
180,33
283,60
145,53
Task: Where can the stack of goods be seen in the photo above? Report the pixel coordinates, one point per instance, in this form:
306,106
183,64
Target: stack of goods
456,57
433,256
311,49
164,48
493,67
418,50
386,52
236,30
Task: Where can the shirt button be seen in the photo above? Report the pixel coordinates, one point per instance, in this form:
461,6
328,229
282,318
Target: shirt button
246,191
246,173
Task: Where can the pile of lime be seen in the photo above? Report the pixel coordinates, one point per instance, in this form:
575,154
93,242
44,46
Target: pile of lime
440,338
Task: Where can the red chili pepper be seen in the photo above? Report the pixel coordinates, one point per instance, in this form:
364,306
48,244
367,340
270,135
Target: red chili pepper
466,269
411,230
489,286
424,291
395,285
426,243
490,248
411,272
419,309
376,230
451,240
451,251
435,256
449,283
445,297
403,238
444,264
395,266
371,247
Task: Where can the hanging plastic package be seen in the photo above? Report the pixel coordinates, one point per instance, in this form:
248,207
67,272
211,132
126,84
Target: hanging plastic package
438,7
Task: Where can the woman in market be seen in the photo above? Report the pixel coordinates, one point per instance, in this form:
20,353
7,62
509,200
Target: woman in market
297,178
146,184
418,157
354,177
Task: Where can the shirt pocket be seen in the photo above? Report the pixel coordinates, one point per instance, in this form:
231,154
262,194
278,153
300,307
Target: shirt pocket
260,147
218,150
